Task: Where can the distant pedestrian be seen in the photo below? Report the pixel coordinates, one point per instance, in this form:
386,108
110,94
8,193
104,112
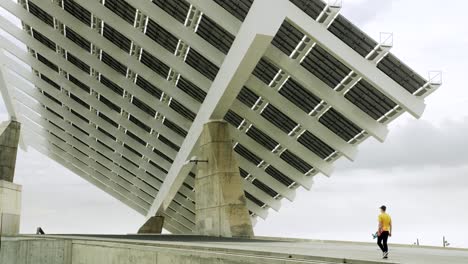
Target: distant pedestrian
384,230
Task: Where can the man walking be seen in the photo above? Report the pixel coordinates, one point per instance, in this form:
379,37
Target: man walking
384,230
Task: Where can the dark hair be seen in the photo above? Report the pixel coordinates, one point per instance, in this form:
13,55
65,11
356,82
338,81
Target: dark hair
383,207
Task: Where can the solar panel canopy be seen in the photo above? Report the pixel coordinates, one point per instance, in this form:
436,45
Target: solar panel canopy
117,91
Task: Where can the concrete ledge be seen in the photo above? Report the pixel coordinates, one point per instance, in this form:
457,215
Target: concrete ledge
89,250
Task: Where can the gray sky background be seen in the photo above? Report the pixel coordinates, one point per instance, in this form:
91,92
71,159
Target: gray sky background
420,172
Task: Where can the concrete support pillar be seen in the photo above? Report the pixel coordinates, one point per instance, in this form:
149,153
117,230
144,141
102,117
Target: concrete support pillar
10,193
221,208
10,208
9,137
154,225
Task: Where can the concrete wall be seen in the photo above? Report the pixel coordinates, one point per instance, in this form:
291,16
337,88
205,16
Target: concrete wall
10,207
49,250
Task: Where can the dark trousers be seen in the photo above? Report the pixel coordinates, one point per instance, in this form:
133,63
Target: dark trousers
383,238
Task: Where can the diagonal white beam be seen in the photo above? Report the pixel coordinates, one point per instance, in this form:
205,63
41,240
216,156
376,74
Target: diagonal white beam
296,114
7,99
354,61
93,131
174,27
57,146
282,138
59,158
72,144
322,90
254,37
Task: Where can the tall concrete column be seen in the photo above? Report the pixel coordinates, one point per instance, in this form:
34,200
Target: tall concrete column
220,208
9,137
10,193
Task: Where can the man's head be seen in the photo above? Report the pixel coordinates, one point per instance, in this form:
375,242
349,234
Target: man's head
383,208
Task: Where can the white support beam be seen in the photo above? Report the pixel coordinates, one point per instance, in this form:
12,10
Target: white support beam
173,26
93,161
7,99
254,37
94,37
116,22
282,138
322,90
355,62
95,133
299,116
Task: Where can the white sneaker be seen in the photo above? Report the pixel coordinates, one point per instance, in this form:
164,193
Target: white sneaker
385,255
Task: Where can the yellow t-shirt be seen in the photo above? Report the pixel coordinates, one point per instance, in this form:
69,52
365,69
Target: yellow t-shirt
385,220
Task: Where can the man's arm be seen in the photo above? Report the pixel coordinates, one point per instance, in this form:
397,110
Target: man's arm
390,231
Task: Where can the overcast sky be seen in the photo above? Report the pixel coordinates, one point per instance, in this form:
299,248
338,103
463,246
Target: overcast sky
420,172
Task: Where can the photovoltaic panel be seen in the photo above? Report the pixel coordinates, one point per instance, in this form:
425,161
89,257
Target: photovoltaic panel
339,124
238,8
400,73
215,34
369,99
326,67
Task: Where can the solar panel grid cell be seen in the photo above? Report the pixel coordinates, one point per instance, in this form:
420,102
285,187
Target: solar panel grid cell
215,34
295,161
136,138
144,107
299,95
339,124
176,8
140,124
44,40
108,120
278,118
113,63
161,36
247,96
111,85
78,63
77,11
265,71
77,39
311,7
191,89
78,83
233,118
287,38
122,9
78,100
359,41
401,73
201,64
265,188
49,81
148,87
181,109
41,14
175,127
254,199
279,176
314,144
369,99
153,63
262,138
326,67
47,62
162,155
117,38
110,104
238,8
168,142
247,154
